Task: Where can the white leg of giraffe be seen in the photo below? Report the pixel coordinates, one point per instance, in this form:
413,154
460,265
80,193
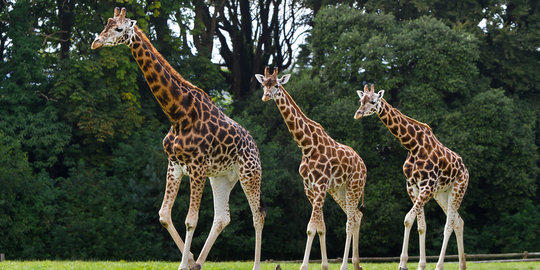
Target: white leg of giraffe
316,217
451,218
422,238
321,231
356,236
250,179
347,246
221,189
449,199
174,177
197,181
353,222
458,229
408,222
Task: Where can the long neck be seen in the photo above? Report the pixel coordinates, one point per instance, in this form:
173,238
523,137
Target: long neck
306,132
408,131
181,101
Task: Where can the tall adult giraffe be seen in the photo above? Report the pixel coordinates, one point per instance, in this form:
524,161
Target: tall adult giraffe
202,142
327,166
432,170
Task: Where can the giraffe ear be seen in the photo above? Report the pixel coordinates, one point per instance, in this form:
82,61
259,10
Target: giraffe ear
380,94
259,78
284,79
360,93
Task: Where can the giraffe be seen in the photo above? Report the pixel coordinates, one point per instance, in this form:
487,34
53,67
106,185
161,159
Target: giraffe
326,166
431,169
202,142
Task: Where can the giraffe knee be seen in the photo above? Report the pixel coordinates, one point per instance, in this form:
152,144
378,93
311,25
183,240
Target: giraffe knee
164,218
191,222
222,222
421,227
311,229
409,220
458,225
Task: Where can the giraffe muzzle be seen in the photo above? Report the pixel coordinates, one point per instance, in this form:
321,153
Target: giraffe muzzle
96,44
266,98
358,115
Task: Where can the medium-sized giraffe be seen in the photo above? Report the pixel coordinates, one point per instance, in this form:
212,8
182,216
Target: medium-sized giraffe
431,169
202,142
327,166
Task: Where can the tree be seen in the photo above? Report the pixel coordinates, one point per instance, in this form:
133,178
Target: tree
250,34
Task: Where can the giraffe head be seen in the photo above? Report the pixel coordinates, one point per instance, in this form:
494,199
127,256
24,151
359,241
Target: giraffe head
119,30
370,102
271,83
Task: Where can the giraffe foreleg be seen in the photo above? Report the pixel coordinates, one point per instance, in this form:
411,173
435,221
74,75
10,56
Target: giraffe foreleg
423,197
321,231
197,182
174,177
317,202
250,179
221,189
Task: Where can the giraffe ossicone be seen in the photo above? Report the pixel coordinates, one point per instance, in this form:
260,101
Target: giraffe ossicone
202,142
326,166
432,171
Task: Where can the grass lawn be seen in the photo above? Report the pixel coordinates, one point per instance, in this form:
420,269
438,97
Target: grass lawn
104,265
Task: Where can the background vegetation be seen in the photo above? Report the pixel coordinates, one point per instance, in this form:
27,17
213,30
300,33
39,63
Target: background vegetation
82,170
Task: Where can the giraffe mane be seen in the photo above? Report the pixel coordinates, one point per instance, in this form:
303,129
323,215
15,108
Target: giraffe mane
165,63
298,108
414,121
417,122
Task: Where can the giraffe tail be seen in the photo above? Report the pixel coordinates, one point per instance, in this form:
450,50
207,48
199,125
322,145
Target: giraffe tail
362,207
262,205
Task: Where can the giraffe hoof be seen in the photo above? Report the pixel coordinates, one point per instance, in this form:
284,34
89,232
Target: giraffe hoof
403,268
195,267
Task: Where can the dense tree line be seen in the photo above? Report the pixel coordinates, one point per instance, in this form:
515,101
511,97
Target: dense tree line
82,169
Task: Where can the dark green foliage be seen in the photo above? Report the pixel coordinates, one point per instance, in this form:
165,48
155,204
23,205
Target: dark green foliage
82,169
26,204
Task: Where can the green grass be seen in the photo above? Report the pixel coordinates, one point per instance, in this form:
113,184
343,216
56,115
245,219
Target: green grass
104,265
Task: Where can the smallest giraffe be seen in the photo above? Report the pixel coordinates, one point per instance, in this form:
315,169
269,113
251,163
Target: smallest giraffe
431,169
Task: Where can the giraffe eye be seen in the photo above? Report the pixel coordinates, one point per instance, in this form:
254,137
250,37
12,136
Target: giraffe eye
372,102
117,29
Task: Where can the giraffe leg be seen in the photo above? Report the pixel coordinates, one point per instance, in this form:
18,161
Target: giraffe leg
316,216
221,189
460,187
250,179
352,197
197,182
450,201
419,203
451,219
422,238
347,246
174,177
356,236
321,231
458,229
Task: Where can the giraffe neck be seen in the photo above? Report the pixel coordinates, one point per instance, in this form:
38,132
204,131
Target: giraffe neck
306,132
408,131
180,100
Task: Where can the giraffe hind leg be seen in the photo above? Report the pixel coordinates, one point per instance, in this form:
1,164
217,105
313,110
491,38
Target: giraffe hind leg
250,180
221,189
451,200
174,177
